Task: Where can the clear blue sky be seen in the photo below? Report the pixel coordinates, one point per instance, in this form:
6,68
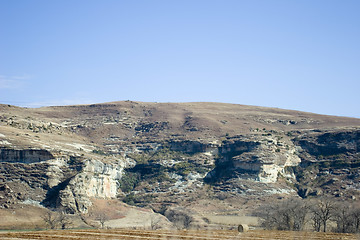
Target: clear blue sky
302,55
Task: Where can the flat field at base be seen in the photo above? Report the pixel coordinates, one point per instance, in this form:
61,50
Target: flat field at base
126,234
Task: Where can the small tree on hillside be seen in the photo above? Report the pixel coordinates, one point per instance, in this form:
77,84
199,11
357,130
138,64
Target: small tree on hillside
102,218
51,219
179,217
155,222
55,219
64,220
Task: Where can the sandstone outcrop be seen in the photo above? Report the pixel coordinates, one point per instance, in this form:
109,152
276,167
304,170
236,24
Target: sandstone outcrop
96,179
61,182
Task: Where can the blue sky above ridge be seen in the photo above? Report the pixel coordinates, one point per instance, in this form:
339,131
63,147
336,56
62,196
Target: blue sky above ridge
301,55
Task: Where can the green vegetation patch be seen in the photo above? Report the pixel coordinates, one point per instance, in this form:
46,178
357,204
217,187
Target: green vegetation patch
139,200
155,156
129,181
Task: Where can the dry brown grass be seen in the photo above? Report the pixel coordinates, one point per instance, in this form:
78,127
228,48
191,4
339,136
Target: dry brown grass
162,234
213,120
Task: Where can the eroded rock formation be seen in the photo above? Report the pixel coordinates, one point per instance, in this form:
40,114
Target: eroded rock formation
163,155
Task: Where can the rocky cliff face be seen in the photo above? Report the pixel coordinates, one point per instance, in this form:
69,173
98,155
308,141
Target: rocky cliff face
67,182
95,180
165,155
24,155
330,162
260,159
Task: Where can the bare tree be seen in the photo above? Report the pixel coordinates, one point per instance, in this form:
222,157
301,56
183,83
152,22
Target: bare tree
343,218
285,215
347,218
50,218
323,211
356,218
55,219
155,222
297,211
179,217
268,214
316,222
63,220
102,218
293,215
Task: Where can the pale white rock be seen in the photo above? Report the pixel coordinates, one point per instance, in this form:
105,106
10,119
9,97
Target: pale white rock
54,172
279,191
268,160
4,142
269,173
33,203
84,147
97,180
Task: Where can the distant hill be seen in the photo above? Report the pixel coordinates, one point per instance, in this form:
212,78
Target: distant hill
207,158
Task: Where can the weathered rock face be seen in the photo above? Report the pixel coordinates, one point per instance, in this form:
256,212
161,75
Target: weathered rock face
62,182
329,143
97,179
23,181
24,155
103,178
266,164
182,166
330,163
254,158
283,162
173,154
